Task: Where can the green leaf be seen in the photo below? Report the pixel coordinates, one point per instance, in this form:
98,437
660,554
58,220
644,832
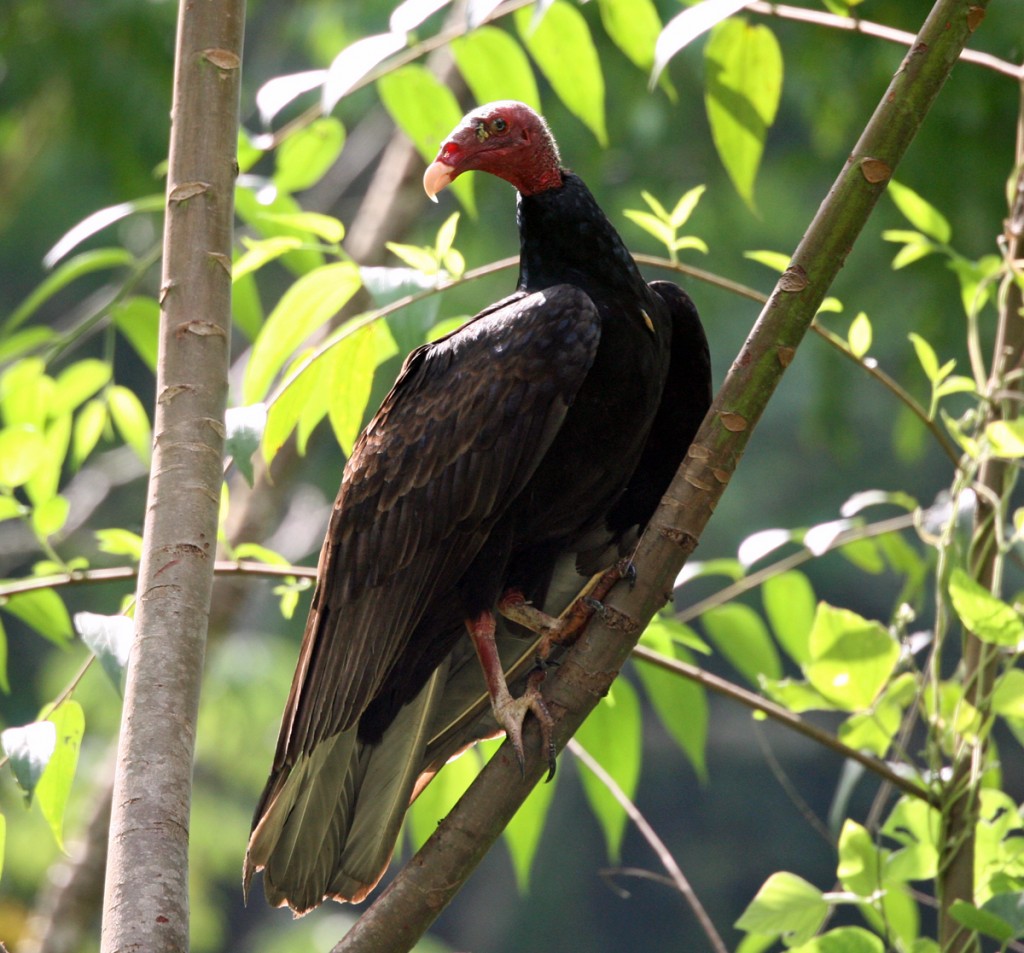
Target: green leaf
776,260
685,27
1008,695
55,783
576,79
305,307
22,452
129,417
634,26
981,921
852,658
786,906
685,206
842,940
77,383
268,213
795,695
26,392
924,217
860,861
305,155
262,251
109,638
101,259
494,67
92,225
49,517
1006,437
651,224
439,796
352,364
426,111
29,749
326,228
680,704
89,426
44,611
300,397
119,542
523,833
138,319
926,356
743,85
859,335
982,613
42,485
3,841
244,426
354,63
612,737
789,604
740,635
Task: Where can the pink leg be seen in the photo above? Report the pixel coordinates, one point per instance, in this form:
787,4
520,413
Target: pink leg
510,712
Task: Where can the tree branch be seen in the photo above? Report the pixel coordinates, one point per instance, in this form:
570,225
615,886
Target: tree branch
432,878
146,892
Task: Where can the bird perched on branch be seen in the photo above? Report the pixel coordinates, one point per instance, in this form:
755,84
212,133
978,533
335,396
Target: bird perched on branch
513,458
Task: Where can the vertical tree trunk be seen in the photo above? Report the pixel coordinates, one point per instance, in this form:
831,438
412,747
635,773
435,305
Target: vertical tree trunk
146,895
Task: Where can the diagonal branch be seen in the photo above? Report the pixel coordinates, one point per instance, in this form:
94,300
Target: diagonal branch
432,878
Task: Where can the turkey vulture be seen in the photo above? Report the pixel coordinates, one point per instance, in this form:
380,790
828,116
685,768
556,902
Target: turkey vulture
516,455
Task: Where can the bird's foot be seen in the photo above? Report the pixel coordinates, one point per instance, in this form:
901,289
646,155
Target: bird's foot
510,713
566,628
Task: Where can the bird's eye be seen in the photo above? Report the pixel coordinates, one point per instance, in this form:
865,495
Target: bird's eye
499,125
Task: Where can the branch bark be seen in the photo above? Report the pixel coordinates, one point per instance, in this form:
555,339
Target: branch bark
146,890
431,879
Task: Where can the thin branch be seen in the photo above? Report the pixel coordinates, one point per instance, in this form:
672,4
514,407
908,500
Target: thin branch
854,24
656,844
784,716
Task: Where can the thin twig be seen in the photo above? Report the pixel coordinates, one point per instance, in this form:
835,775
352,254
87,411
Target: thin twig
784,716
877,30
655,842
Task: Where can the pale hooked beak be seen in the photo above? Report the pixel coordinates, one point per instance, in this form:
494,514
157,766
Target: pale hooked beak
437,177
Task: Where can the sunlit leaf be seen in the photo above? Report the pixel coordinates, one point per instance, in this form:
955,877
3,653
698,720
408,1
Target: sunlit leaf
29,749
426,111
353,362
786,906
100,258
354,63
611,735
262,251
851,658
54,785
775,260
577,79
90,423
49,517
685,27
438,798
42,610
494,67
22,452
138,319
743,64
42,485
304,157
5,684
109,638
634,27
409,14
859,335
266,211
742,637
762,543
842,940
129,417
923,216
78,382
789,604
1006,437
988,617
306,306
325,227
680,704
278,92
119,542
